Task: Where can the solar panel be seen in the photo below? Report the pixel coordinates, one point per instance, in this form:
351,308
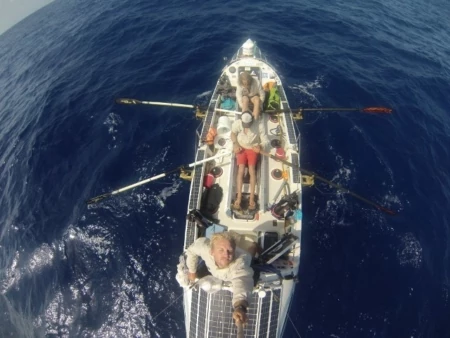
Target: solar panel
194,197
211,315
290,128
295,168
196,182
288,116
274,310
208,118
194,314
189,237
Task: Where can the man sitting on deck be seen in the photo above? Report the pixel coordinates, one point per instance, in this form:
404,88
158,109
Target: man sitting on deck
248,139
228,263
249,90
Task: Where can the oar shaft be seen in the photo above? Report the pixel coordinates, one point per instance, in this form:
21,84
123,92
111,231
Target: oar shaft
311,109
334,185
157,177
229,111
329,109
375,110
152,103
168,104
193,164
154,178
340,187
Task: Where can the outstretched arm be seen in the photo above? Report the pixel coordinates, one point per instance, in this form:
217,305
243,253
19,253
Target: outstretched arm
241,282
241,286
192,255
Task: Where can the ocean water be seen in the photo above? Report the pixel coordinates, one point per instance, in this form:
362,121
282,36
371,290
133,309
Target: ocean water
69,270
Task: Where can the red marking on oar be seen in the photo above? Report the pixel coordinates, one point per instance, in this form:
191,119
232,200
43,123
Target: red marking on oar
377,110
387,211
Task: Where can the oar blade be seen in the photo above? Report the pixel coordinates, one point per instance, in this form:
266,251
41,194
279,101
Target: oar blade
377,110
387,211
99,198
127,101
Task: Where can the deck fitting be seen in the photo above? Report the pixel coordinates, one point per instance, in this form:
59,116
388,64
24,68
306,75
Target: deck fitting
199,114
297,116
307,181
186,174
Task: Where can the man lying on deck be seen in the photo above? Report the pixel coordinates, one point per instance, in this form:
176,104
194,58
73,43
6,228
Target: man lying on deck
249,137
227,262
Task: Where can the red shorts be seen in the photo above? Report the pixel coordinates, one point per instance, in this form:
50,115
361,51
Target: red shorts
247,156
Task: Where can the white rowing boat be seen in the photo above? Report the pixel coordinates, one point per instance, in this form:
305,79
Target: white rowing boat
213,189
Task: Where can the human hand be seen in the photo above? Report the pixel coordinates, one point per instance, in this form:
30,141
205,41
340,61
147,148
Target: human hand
239,316
257,149
192,276
237,148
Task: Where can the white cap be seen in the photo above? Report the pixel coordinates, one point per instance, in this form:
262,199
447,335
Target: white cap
247,119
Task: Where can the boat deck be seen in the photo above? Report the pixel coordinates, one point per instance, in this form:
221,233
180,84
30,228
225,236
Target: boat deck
274,179
209,314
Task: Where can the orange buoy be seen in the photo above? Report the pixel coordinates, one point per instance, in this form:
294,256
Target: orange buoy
212,133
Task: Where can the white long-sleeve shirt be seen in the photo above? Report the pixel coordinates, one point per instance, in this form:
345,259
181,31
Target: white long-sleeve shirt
255,135
239,272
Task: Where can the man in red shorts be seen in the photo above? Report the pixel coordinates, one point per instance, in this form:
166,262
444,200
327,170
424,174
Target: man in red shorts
248,137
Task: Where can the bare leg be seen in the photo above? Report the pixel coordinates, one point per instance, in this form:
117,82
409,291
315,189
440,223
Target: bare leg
252,172
245,102
240,178
256,106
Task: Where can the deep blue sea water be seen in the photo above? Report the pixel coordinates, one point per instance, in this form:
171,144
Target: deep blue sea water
68,270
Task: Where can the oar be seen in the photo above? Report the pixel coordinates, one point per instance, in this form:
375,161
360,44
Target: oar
374,110
134,101
154,178
334,185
